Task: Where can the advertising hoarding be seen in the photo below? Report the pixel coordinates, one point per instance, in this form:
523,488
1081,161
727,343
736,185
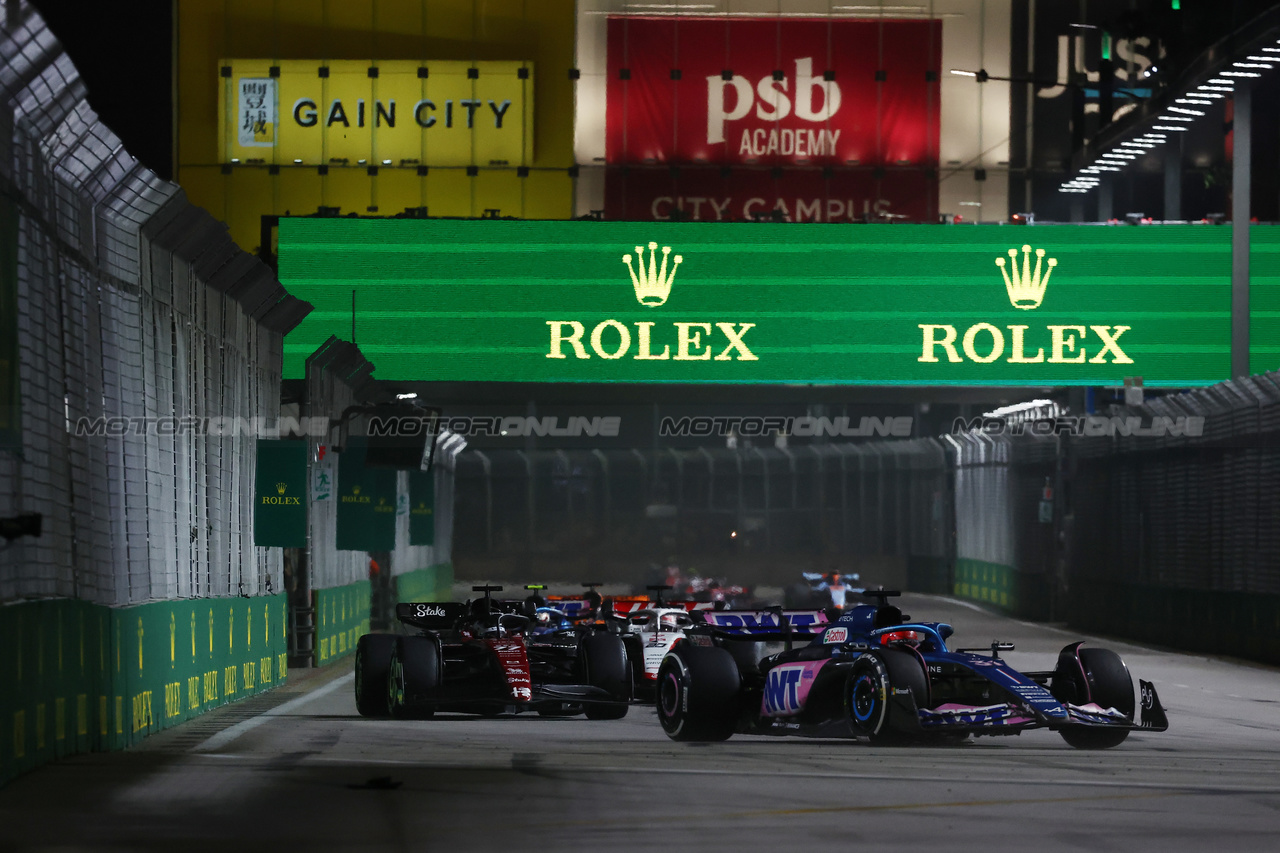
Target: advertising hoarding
382,113
839,118
765,303
762,91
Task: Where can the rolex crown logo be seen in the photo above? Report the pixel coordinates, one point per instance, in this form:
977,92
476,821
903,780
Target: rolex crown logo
355,490
281,488
653,284
1026,287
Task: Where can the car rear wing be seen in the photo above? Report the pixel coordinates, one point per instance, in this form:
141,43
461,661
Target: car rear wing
774,624
625,605
432,615
571,606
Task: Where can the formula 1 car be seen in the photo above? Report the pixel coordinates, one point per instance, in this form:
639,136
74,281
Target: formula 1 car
874,673
815,590
483,657
649,628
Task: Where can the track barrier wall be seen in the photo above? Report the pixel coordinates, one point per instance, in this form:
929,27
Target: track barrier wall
78,677
434,583
342,618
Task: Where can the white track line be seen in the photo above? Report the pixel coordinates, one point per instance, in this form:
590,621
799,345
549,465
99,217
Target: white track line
229,734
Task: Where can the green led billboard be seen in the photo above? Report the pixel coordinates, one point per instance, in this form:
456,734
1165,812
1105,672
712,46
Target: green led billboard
1264,298
567,301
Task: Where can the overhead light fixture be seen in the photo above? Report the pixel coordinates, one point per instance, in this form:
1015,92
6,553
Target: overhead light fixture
1186,112
962,73
1219,81
1171,127
1251,65
412,395
1214,89
1167,117
1241,74
1199,101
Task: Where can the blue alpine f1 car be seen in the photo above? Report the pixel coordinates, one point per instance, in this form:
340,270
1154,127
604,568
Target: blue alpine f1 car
872,672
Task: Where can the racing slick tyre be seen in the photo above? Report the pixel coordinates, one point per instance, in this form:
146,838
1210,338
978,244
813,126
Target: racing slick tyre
635,658
605,665
373,663
868,691
414,673
746,656
698,693
1109,686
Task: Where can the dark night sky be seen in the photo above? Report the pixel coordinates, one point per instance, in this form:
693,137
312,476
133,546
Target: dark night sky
124,54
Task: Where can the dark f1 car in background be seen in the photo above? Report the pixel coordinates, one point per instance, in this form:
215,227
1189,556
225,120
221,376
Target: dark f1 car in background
484,657
872,672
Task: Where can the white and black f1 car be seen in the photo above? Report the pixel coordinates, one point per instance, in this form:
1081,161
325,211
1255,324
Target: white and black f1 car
874,673
485,657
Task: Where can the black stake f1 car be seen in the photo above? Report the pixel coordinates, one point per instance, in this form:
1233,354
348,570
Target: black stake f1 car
874,673
484,657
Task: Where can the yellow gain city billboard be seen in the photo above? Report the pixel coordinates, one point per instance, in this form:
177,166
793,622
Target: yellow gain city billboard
392,113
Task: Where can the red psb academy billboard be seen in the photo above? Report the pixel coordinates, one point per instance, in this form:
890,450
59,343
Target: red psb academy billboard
821,120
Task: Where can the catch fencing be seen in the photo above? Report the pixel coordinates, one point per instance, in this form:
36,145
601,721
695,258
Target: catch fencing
1177,537
131,303
758,513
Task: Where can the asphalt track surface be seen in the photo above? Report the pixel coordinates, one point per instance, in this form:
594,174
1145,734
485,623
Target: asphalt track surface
299,770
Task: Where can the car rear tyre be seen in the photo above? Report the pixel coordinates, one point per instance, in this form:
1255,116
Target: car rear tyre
605,665
373,663
698,694
1109,685
414,673
869,690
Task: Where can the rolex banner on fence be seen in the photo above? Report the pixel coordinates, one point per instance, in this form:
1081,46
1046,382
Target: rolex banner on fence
422,508
280,488
366,502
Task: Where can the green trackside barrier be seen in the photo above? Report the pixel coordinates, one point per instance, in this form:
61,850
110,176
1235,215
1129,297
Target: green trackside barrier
434,583
1021,594
989,583
342,615
79,677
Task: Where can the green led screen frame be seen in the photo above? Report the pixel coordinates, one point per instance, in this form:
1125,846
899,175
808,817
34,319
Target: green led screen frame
576,301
